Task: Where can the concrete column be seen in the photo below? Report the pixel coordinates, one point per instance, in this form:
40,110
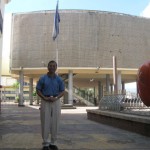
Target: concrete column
1,96
4,93
66,98
94,92
136,89
115,75
107,83
0,100
100,90
31,91
119,82
0,57
123,87
70,87
111,88
21,81
37,99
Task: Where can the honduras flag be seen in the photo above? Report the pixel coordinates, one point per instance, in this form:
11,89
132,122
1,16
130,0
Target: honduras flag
56,23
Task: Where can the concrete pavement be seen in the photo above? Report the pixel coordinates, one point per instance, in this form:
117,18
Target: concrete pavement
20,130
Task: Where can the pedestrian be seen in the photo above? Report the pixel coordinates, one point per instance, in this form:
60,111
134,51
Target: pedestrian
50,88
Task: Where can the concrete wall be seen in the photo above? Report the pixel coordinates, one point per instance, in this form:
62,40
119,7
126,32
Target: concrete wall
86,39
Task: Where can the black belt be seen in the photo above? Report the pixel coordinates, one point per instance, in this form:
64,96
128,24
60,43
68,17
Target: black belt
50,95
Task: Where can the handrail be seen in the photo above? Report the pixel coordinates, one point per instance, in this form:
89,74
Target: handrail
86,96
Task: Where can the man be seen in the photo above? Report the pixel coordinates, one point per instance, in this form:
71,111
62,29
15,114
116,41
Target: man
50,88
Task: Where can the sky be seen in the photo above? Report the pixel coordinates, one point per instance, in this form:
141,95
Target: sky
132,7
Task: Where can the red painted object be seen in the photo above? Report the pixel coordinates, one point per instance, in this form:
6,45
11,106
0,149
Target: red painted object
143,83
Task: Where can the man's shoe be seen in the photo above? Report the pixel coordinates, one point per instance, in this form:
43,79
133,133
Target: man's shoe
53,147
45,148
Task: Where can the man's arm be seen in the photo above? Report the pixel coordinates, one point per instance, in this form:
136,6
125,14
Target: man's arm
60,94
42,96
57,97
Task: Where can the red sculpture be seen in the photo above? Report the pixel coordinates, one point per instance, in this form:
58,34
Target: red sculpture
143,83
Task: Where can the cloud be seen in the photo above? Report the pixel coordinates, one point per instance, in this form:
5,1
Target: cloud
146,12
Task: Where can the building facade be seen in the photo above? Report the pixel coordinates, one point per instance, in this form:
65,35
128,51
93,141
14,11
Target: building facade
88,40
2,7
86,44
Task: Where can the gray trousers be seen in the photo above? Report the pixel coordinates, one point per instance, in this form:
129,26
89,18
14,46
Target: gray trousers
50,116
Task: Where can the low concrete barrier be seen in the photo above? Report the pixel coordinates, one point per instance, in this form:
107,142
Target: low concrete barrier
130,122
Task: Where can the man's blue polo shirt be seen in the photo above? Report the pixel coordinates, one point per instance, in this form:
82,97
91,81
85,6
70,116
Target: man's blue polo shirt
50,86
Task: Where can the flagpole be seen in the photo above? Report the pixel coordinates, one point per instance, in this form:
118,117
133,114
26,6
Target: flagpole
57,44
56,30
57,52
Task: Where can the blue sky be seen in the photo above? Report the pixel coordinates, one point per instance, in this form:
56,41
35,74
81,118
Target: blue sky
132,7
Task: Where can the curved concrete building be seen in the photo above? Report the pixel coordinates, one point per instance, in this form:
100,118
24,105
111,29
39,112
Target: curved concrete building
86,44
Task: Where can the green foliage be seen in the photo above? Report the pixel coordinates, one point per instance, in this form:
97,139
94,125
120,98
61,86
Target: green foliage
17,99
15,85
34,93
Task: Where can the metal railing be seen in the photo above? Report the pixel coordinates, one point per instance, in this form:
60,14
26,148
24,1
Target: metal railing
121,102
85,95
111,102
82,95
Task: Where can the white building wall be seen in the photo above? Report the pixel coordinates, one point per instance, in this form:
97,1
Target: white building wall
2,6
6,45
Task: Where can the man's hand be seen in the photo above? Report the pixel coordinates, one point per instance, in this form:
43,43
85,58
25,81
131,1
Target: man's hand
47,99
50,99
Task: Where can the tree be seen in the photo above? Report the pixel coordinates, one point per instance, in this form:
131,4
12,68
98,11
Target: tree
16,87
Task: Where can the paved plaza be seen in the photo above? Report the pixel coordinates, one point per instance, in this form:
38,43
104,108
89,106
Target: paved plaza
20,130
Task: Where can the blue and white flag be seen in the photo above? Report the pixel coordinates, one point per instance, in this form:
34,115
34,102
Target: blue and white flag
56,23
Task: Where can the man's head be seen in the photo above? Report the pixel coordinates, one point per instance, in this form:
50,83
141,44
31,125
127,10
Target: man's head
52,66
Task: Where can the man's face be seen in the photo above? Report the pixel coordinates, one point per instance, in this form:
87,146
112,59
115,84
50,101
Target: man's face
52,67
